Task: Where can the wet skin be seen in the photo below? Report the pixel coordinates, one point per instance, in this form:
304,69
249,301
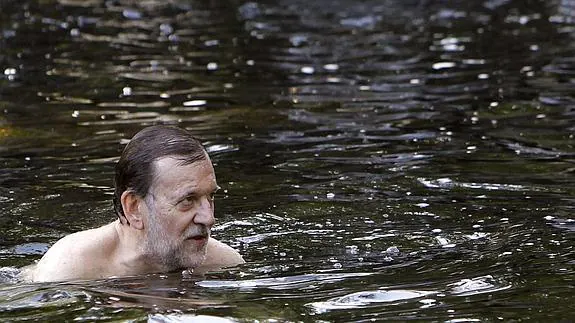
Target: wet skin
179,213
169,229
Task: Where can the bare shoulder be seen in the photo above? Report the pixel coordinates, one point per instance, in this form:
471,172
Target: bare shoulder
71,256
221,255
60,261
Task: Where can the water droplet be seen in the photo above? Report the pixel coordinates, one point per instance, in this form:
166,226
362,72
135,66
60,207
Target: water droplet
297,40
307,70
442,65
353,249
393,250
194,103
126,91
131,14
331,67
10,71
476,236
249,10
427,302
441,240
166,29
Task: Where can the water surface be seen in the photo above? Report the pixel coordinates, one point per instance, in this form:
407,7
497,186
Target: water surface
387,160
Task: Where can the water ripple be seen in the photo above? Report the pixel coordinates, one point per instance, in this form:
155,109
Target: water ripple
477,285
367,298
281,283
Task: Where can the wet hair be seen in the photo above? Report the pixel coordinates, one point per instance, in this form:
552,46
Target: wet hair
135,170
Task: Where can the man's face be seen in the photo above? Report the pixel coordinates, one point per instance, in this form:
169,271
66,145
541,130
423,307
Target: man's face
180,210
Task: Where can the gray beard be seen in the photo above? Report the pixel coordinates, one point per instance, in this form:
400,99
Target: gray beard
160,250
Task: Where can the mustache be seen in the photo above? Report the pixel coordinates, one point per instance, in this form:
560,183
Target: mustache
197,230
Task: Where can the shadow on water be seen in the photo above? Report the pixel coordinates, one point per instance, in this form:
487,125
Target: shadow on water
401,160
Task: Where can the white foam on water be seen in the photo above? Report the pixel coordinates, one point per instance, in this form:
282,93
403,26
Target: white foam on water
278,283
366,298
477,285
10,275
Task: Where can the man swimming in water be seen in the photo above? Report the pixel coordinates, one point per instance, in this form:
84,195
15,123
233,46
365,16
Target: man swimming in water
164,199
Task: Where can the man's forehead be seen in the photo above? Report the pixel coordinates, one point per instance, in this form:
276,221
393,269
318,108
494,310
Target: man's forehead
178,160
176,167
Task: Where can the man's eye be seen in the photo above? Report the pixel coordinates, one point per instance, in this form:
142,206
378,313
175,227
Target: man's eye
189,200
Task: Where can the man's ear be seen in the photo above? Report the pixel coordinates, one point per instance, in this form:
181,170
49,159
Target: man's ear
132,209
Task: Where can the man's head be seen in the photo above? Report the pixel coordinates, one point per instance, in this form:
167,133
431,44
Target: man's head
135,170
165,183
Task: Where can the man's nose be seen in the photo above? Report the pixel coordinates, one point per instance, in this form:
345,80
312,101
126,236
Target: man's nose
205,213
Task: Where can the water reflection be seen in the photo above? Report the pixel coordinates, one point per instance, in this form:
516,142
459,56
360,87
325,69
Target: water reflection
361,299
369,152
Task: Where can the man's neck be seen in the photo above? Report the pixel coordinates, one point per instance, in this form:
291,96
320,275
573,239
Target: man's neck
130,257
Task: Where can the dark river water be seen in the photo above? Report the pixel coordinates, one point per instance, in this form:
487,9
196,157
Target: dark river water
380,160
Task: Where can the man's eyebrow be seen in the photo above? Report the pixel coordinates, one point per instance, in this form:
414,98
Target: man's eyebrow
194,192
187,193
